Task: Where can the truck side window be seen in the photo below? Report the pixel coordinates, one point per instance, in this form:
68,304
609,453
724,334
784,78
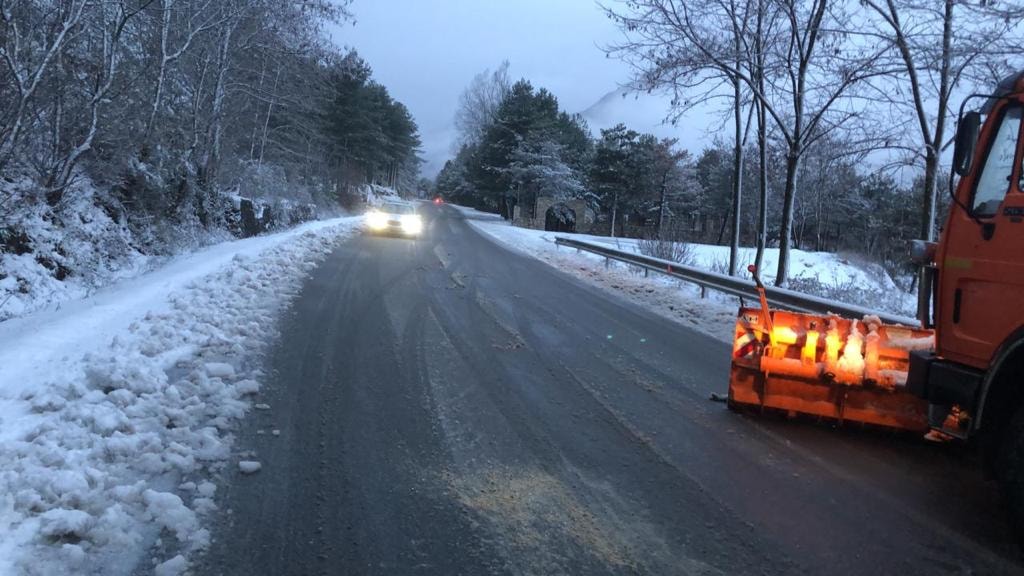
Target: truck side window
994,182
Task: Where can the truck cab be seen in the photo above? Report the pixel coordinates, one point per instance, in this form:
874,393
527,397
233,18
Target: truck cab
974,380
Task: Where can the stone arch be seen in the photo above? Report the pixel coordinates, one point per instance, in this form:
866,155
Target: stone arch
559,217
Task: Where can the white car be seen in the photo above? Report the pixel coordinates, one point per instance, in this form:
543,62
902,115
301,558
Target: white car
394,218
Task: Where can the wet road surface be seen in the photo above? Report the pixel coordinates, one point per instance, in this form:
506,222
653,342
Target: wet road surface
446,406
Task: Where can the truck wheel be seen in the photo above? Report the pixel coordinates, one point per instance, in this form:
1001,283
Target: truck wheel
1010,472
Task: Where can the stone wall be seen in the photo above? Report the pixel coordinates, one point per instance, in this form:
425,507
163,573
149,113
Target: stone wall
584,216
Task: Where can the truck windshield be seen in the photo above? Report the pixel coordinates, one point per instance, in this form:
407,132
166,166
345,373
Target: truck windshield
994,181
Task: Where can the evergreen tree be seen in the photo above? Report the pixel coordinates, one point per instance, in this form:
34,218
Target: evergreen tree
373,138
537,169
614,171
524,115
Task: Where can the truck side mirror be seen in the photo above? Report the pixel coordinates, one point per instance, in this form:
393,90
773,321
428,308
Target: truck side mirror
966,138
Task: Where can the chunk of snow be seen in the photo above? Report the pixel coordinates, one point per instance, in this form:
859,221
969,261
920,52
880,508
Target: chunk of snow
897,377
220,370
169,511
172,567
911,344
249,466
206,489
61,523
247,386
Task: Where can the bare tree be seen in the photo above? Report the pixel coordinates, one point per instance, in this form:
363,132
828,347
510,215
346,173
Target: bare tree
760,42
738,24
109,24
479,103
663,62
214,133
197,18
86,84
939,46
19,21
805,85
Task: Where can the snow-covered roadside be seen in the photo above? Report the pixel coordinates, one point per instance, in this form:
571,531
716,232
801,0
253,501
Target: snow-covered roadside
116,410
714,315
824,267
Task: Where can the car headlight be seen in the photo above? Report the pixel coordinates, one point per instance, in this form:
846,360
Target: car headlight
412,223
376,220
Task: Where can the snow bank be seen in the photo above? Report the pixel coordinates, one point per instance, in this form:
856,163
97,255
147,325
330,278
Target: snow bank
824,274
52,256
47,258
823,267
115,411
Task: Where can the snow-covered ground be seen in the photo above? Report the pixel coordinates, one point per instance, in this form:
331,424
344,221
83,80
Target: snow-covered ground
825,267
713,314
375,194
116,411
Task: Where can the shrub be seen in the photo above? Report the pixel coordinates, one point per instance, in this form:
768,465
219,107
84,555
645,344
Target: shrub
680,252
851,292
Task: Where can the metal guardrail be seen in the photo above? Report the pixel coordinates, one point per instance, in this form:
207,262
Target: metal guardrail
780,297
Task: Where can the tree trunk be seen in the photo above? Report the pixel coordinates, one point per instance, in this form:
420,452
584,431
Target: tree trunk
256,116
266,122
931,171
662,205
213,153
725,222
197,100
661,215
59,182
615,212
737,178
762,140
786,229
762,185
165,25
931,166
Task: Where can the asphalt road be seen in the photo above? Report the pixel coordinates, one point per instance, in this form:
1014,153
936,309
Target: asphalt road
446,406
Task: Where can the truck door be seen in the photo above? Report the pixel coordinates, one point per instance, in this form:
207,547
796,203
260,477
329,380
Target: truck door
981,287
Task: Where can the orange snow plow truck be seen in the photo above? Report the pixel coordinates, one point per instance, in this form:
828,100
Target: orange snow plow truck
958,373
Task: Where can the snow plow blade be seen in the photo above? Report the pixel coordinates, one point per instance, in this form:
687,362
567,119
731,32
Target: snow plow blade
826,367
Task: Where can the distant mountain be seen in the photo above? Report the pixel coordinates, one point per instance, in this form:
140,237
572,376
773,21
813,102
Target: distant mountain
639,111
609,100
645,112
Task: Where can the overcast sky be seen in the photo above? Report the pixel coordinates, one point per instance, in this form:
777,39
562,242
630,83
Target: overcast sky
427,51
